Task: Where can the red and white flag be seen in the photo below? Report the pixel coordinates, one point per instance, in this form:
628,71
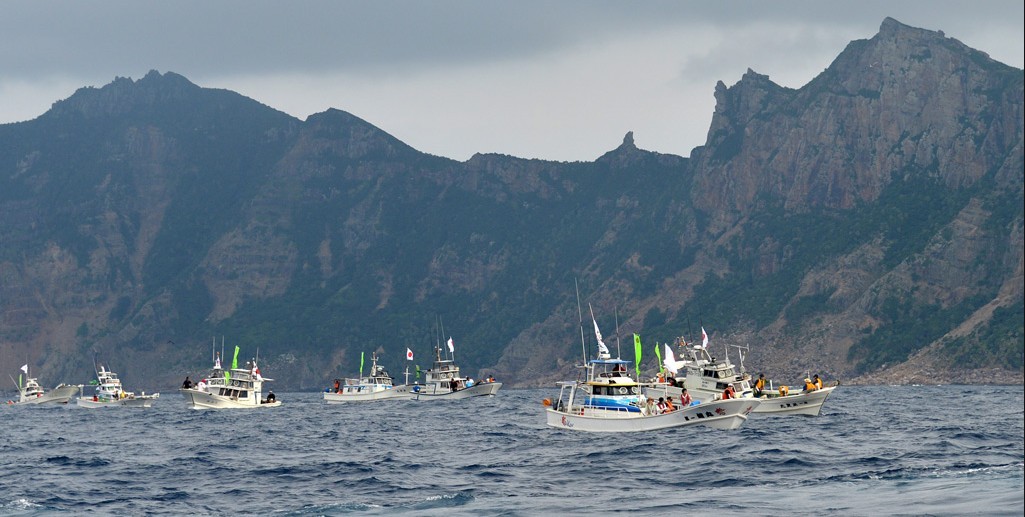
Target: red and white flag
409,355
704,338
451,346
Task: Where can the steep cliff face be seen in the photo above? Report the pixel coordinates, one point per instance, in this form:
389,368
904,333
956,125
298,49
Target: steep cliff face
866,226
907,101
908,122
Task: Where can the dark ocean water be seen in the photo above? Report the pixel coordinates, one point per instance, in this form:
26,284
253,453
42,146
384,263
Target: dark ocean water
951,450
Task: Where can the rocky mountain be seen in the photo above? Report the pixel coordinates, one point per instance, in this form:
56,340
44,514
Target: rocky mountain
867,226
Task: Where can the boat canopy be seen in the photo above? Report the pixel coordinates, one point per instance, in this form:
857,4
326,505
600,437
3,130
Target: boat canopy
610,361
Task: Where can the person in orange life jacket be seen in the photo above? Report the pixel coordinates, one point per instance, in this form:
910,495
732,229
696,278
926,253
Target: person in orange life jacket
729,392
760,385
669,405
817,381
809,386
685,399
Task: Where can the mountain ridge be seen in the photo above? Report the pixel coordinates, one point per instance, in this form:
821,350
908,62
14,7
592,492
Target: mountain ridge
866,226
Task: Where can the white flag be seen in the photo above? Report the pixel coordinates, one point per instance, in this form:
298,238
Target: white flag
409,355
451,346
25,369
603,350
669,361
704,338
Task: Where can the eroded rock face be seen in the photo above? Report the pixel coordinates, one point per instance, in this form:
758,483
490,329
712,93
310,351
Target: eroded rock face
907,99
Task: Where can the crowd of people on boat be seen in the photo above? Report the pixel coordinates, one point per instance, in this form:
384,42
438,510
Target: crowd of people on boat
810,384
469,382
666,404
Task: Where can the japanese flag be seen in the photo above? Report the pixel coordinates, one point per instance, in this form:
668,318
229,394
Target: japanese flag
451,346
704,338
409,355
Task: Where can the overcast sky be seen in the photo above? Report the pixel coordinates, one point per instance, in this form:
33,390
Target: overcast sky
561,80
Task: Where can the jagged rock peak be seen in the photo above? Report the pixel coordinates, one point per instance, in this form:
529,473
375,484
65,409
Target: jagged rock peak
891,27
736,105
123,95
628,141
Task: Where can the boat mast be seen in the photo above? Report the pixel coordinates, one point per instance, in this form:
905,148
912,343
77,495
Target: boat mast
740,351
580,317
619,353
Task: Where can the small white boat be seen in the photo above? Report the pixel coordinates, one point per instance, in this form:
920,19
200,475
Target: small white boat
794,403
31,392
706,378
443,381
376,386
609,401
237,388
110,393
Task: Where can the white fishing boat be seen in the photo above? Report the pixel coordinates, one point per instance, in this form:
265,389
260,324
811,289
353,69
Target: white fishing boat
783,401
110,393
443,381
610,401
236,388
376,386
31,392
707,378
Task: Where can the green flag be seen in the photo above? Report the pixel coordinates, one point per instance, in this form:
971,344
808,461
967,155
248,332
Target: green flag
658,354
361,364
234,362
637,354
417,372
19,381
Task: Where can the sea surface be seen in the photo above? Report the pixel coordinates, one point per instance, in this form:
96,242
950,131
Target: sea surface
918,450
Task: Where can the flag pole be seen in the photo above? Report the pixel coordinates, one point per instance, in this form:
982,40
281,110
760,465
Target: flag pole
619,351
580,316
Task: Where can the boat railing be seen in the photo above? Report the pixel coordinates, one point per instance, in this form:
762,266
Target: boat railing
603,411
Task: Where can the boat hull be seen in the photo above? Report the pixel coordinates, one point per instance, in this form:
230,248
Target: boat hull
395,392
58,395
203,400
433,392
796,404
726,414
136,402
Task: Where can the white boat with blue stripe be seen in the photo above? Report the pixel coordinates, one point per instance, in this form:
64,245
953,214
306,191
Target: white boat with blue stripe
610,401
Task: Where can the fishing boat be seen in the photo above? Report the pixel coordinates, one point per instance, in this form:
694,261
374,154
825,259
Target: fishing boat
706,378
110,393
443,381
235,388
31,392
376,386
608,400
